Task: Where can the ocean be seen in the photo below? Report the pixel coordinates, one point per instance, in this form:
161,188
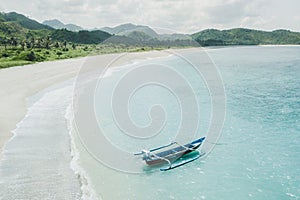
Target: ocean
78,137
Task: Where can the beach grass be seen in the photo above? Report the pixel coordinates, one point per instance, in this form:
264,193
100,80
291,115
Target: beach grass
16,56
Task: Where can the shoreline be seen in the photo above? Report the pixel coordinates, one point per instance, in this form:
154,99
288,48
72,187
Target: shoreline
23,62
20,82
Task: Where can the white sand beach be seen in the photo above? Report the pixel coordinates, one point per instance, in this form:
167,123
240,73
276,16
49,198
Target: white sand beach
18,83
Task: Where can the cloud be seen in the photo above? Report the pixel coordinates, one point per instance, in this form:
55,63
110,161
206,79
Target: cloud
185,16
227,13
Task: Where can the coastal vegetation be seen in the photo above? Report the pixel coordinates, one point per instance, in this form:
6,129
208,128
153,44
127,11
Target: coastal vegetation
25,41
242,36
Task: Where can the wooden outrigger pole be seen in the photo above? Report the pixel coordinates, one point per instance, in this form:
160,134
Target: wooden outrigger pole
172,155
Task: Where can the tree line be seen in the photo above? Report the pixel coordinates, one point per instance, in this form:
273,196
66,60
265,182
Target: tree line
33,42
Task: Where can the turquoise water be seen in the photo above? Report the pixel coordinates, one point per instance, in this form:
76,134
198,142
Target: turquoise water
256,157
36,160
258,154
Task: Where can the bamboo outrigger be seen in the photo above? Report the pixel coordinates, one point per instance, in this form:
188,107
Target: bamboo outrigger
171,156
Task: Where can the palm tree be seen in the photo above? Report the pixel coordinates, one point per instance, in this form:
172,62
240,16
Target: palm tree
5,40
65,44
23,45
28,44
47,43
39,42
32,42
13,41
56,45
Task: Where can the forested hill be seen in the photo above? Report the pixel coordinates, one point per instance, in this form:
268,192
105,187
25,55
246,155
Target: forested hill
25,41
14,18
15,27
241,36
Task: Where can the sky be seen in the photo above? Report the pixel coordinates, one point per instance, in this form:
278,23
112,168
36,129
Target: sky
182,16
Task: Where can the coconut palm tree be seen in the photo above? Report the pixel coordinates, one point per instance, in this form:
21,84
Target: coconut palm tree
65,44
47,42
32,42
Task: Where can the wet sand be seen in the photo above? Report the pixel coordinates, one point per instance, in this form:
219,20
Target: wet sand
18,83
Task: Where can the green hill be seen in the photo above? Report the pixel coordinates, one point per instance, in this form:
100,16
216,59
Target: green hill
25,41
127,29
241,36
23,21
21,28
81,37
54,23
14,26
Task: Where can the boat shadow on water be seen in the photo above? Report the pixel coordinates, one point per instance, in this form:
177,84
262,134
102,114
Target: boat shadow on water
167,157
192,156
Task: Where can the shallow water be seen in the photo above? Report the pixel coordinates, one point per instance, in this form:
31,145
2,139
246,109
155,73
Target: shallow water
258,153
36,160
257,156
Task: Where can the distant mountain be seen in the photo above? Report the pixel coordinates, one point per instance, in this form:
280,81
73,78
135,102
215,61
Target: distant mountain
118,29
21,20
175,36
73,27
145,35
54,23
17,27
242,36
118,39
14,26
138,36
127,29
82,37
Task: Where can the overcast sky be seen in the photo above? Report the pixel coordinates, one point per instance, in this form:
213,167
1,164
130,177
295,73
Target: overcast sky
185,16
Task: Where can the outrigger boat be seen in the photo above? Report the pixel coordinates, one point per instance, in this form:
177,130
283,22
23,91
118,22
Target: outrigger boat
171,156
